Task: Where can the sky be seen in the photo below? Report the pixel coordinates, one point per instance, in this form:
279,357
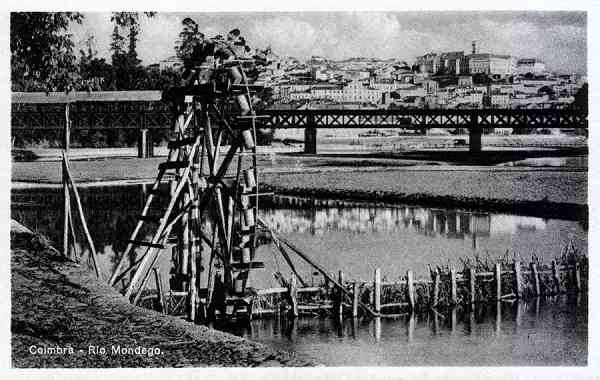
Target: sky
557,38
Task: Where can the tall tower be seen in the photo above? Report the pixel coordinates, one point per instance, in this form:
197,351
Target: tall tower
474,46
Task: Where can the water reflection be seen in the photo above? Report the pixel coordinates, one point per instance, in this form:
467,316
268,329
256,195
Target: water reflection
430,222
355,239
452,224
549,331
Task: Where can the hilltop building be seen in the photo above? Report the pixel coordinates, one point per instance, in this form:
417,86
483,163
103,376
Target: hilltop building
530,65
491,64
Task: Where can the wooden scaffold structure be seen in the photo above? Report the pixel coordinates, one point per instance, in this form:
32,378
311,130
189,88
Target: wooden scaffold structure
203,200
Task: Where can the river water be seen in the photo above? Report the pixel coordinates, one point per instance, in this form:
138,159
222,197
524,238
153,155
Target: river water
357,239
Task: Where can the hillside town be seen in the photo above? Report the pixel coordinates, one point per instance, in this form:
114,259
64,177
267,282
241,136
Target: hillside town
444,80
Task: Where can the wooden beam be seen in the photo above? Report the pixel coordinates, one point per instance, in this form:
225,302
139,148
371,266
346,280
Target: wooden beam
82,218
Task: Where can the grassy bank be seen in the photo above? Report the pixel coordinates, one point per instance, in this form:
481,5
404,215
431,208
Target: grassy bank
57,303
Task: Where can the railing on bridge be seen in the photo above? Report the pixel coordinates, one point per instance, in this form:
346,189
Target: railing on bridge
144,110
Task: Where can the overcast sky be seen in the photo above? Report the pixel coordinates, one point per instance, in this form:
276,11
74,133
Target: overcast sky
558,38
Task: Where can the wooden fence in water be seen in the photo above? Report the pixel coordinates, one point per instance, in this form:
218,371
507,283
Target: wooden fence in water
477,282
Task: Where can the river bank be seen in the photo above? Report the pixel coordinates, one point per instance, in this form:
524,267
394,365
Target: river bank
555,192
58,303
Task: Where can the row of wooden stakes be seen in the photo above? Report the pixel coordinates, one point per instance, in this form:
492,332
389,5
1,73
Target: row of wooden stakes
447,288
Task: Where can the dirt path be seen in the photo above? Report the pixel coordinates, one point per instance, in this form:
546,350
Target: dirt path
56,303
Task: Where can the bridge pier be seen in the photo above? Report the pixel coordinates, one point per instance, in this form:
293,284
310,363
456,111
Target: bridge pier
145,145
475,133
310,140
475,140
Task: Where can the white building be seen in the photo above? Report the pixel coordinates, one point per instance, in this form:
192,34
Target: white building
530,65
491,64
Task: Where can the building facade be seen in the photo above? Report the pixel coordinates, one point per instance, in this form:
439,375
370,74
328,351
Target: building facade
530,65
491,64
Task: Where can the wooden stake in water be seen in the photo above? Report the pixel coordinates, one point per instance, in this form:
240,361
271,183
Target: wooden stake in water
340,294
355,296
535,278
472,284
411,289
577,277
555,277
518,283
436,287
293,293
498,278
377,291
453,292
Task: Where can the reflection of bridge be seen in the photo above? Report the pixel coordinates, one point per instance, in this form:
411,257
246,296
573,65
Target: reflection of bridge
143,110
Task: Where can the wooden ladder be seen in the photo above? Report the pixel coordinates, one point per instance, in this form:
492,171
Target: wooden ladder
183,154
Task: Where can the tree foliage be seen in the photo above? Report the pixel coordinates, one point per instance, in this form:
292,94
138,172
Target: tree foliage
188,38
42,56
127,72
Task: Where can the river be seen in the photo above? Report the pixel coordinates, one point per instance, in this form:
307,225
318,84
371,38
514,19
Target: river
358,238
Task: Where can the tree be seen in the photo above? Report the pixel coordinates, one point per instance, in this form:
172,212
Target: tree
42,56
127,70
187,39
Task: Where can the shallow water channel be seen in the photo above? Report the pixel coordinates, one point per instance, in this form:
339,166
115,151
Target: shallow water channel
357,238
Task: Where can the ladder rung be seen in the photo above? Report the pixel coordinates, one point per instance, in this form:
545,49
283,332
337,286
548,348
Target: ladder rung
251,265
150,218
141,243
173,165
173,144
254,117
259,194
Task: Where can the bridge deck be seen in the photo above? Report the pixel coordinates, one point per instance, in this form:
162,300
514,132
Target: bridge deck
145,110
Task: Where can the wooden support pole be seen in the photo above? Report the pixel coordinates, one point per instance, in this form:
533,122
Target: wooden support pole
453,292
73,236
67,130
195,256
535,278
518,283
67,208
411,289
340,295
355,297
377,290
555,277
498,278
472,284
67,212
82,219
184,250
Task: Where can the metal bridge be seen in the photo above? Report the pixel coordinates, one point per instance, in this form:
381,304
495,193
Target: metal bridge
145,111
